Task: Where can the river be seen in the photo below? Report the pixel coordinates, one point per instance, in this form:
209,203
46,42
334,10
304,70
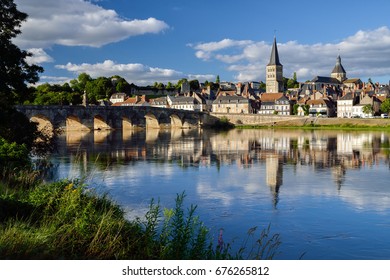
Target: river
326,193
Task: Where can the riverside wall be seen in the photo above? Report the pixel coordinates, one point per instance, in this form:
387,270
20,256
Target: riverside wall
275,120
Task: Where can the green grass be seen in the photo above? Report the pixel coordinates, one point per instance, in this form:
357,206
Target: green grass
347,126
68,220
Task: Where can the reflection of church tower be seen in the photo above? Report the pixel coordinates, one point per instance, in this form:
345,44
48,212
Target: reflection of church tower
338,71
274,72
339,175
274,176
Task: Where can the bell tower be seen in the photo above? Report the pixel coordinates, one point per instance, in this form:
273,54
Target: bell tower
339,71
274,72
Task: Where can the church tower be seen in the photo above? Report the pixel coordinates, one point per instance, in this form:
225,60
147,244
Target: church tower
338,71
274,72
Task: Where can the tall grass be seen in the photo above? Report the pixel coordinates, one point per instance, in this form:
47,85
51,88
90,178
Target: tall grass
67,220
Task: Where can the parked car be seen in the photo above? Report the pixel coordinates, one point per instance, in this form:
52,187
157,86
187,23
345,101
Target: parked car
384,116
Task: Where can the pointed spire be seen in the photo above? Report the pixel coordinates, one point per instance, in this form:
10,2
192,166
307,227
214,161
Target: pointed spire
338,68
274,59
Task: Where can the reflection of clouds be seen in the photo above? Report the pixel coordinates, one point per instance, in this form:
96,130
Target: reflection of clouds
215,192
359,190
231,184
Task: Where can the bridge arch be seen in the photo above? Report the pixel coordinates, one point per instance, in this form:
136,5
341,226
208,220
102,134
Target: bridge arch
73,123
176,121
99,123
43,123
151,121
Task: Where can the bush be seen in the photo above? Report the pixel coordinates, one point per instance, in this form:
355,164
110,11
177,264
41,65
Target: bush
13,154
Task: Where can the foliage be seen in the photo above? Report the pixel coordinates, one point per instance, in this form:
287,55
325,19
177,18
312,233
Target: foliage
385,106
47,94
15,72
16,127
295,109
367,109
13,154
66,220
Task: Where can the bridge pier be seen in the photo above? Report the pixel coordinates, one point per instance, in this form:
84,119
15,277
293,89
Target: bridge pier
88,118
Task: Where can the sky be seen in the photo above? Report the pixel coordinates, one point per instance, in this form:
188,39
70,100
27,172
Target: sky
147,41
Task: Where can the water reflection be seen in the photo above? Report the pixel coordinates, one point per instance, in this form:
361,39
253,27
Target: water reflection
308,184
322,150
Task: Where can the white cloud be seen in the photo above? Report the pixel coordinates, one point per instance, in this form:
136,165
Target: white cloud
77,23
133,72
39,56
364,54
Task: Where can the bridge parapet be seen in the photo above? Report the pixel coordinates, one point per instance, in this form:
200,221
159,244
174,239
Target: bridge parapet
112,117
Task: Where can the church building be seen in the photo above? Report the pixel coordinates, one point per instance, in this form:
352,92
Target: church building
274,72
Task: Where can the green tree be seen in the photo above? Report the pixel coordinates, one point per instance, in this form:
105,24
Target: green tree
385,106
295,109
80,83
367,109
180,82
194,85
169,85
15,72
217,80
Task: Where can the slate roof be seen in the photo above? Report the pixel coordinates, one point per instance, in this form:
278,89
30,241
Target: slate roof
274,59
325,80
338,68
231,99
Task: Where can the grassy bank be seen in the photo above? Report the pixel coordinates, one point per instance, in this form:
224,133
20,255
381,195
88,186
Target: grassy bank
68,220
346,126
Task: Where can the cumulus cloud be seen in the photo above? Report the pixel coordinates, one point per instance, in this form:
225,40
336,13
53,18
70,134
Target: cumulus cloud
77,23
364,54
38,56
133,72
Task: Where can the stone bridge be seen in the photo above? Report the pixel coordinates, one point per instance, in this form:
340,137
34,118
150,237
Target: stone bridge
76,118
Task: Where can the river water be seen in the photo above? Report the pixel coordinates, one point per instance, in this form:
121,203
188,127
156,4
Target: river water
326,193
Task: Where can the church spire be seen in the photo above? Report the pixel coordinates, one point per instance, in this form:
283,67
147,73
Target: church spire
274,59
274,71
339,71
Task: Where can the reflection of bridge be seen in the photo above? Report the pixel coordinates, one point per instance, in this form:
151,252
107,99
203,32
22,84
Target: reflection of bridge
107,117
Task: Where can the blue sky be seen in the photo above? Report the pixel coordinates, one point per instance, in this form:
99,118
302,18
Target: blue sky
146,41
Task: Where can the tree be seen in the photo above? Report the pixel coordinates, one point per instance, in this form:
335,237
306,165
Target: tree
194,85
367,109
217,80
385,106
80,83
15,72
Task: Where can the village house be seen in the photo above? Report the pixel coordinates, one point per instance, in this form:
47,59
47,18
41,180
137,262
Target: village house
321,107
345,105
134,101
160,102
185,103
275,103
232,104
118,97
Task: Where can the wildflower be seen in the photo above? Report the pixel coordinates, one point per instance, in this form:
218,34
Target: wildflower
69,187
220,240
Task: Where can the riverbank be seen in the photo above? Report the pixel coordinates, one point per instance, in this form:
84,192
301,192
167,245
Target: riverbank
68,220
252,120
